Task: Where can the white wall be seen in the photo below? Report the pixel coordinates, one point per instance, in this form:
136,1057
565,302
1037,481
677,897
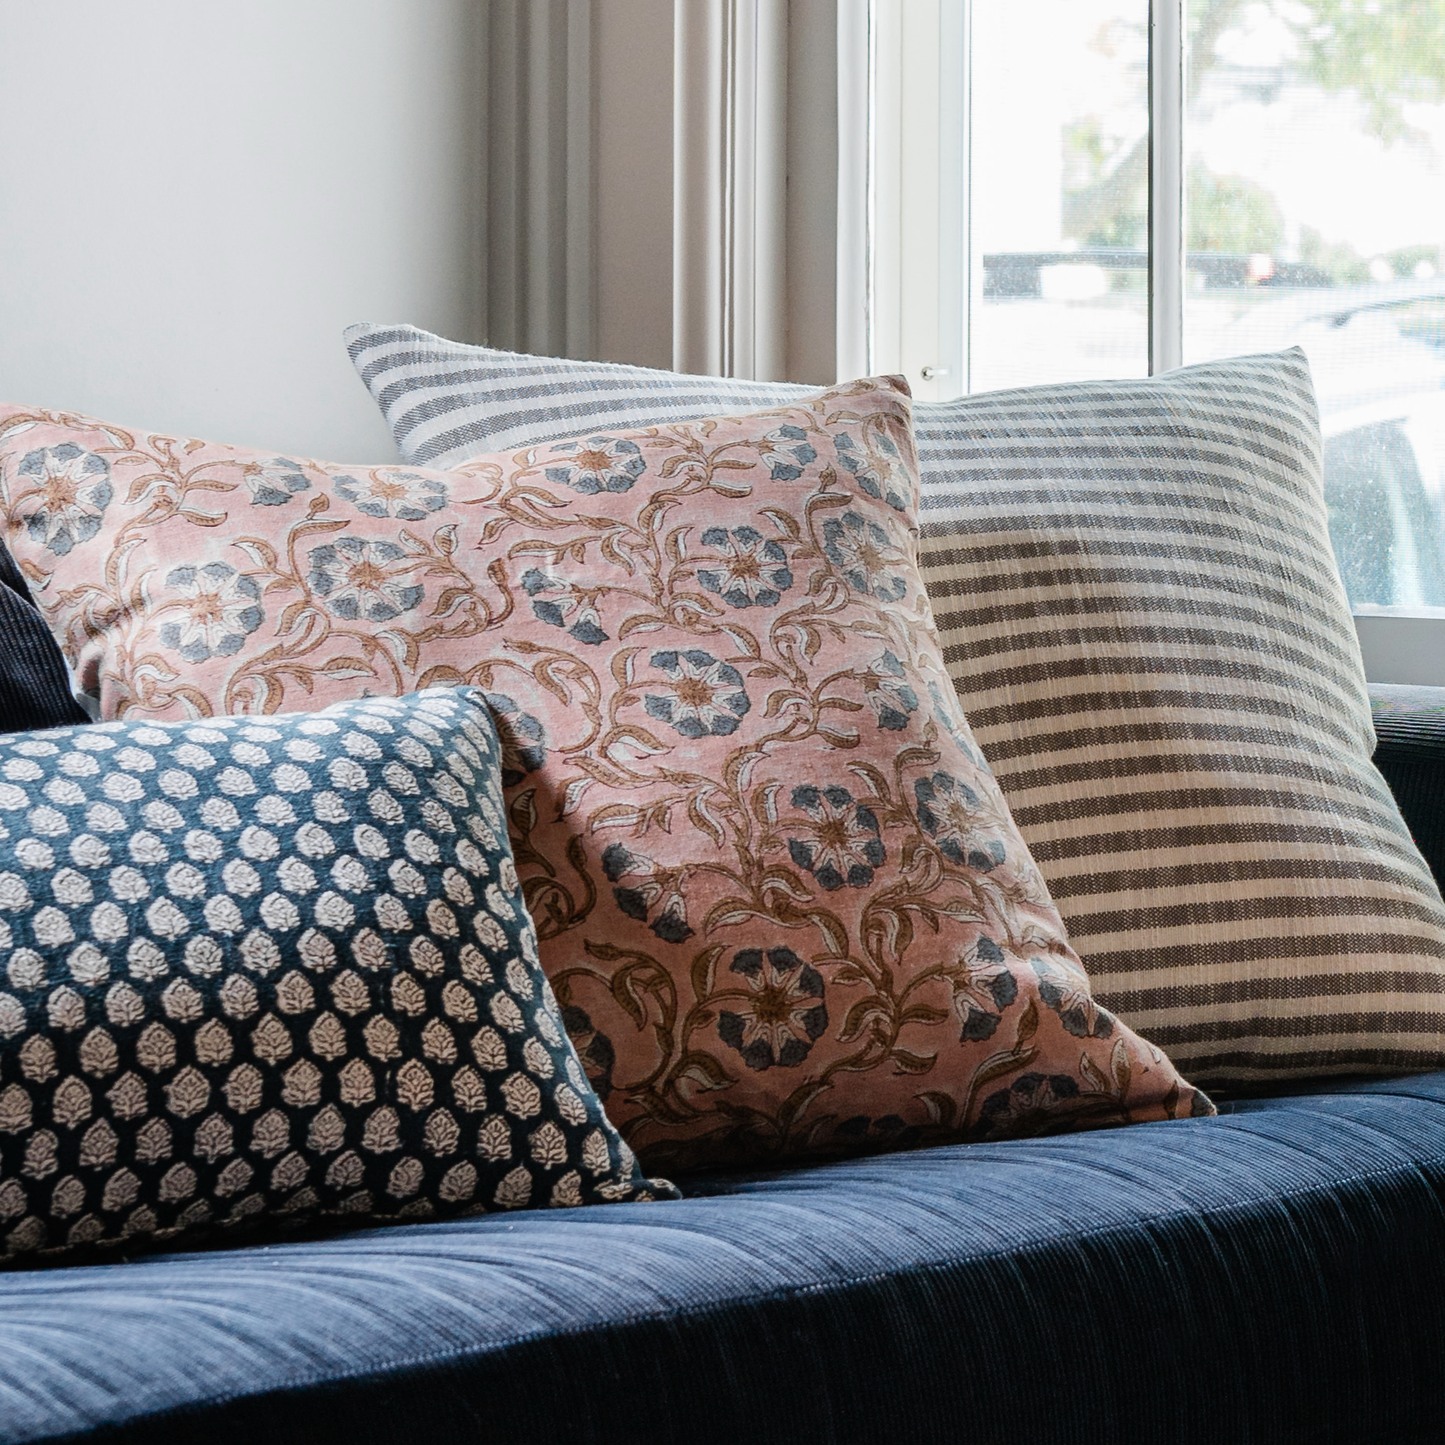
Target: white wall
197,195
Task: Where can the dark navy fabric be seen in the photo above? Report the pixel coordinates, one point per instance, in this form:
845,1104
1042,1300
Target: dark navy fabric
34,684
1275,1275
1410,727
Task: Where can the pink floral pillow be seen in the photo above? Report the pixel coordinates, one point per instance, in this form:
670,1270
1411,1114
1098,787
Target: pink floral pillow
778,891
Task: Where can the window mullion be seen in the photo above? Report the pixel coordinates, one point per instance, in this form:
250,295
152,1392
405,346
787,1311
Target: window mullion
1166,185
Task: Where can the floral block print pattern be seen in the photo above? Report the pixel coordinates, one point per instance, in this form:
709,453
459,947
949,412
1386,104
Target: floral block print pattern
276,967
779,895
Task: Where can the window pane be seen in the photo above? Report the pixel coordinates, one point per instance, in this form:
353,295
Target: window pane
1059,191
1315,152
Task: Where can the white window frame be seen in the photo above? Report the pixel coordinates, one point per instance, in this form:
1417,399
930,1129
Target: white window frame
897,310
1166,185
1398,645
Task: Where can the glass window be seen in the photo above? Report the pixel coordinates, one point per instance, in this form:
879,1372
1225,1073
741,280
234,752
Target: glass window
1314,150
1059,182
1313,161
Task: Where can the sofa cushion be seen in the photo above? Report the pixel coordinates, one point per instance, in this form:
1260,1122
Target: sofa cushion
35,690
263,970
778,891
1275,1275
1410,754
1140,610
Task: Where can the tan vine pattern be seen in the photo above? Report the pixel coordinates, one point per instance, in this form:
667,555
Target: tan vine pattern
778,893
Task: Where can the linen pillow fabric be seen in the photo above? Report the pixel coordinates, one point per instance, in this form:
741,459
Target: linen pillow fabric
446,401
277,969
1139,607
1142,612
777,889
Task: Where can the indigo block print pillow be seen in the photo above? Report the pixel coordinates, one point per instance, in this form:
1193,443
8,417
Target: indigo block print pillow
276,968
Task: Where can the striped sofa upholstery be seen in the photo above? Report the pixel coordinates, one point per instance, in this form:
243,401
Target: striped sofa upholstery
1141,614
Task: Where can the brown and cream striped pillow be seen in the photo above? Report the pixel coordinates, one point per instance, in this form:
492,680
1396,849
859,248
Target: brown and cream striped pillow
1142,615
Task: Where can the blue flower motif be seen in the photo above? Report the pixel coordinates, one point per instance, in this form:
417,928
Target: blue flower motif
785,452
781,1014
843,843
1067,992
651,886
564,601
862,551
707,697
523,738
948,811
274,483
387,493
1033,1104
888,694
219,611
891,1131
891,485
983,986
599,464
755,570
945,717
72,488
352,575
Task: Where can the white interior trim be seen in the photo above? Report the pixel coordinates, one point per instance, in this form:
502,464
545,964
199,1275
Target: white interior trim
955,243
730,187
580,280
757,242
540,242
855,164
699,56
812,190
1401,648
903,255
1166,185
633,56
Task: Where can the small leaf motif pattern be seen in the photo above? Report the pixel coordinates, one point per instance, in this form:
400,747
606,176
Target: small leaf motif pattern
777,891
246,979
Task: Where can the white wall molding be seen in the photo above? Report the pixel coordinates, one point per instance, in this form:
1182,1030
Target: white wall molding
663,184
1166,184
902,290
856,219
721,186
730,187
541,246
814,206
700,72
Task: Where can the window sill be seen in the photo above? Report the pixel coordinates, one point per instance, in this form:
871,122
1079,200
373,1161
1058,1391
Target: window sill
1403,644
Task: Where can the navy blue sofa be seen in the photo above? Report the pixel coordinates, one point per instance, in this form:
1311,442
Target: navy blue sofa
1274,1275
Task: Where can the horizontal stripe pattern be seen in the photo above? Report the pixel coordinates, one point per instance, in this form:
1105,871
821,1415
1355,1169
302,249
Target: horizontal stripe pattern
1142,617
446,401
1140,611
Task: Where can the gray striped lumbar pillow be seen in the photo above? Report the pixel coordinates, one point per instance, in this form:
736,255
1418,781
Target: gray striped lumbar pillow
1141,613
446,401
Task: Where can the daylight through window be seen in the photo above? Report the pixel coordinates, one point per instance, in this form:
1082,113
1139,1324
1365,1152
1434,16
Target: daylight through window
1313,164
